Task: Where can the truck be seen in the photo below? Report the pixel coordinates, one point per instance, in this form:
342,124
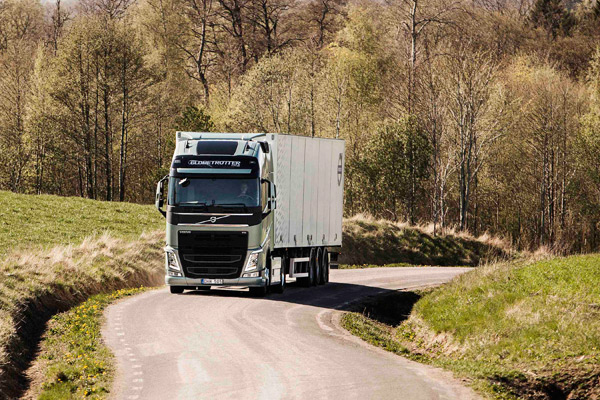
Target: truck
252,210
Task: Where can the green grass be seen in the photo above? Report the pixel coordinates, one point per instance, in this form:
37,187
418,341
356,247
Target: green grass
526,329
33,221
74,361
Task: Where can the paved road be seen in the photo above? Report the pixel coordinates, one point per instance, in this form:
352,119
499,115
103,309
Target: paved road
224,344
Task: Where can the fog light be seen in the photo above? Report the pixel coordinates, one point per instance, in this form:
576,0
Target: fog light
251,275
173,273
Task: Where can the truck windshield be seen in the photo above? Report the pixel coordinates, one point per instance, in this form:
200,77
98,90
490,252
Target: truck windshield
213,192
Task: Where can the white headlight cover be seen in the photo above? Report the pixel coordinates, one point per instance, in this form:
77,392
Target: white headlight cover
252,262
172,261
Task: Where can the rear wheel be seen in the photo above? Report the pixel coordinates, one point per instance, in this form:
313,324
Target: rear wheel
313,267
324,267
176,289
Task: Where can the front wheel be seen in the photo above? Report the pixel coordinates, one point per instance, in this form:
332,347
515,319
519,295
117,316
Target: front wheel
258,291
176,289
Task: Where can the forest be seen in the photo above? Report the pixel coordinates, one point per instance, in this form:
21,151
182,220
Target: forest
480,115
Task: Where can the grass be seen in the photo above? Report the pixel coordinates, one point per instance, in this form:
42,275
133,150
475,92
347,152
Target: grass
33,221
37,285
379,242
524,329
73,362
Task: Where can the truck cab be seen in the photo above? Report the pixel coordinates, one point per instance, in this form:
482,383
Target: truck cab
219,211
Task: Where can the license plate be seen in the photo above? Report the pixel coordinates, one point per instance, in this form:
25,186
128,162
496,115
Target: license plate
212,281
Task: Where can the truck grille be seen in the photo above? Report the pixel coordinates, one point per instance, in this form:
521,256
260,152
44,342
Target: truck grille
212,254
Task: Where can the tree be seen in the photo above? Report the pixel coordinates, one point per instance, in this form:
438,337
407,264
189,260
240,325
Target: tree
194,119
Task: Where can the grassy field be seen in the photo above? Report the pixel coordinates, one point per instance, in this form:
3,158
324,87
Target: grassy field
368,241
527,329
30,221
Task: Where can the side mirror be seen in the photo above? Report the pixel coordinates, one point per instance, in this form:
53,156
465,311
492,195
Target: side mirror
264,146
159,199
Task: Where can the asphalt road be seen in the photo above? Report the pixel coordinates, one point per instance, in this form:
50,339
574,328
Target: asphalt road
224,344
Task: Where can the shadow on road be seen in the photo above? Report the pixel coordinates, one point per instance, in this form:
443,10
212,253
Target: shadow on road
385,305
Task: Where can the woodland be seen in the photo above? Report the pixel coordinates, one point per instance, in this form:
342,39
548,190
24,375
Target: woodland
480,115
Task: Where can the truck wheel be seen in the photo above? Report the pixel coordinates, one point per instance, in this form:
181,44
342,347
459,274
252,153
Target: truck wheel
281,286
319,264
258,291
176,289
313,267
324,267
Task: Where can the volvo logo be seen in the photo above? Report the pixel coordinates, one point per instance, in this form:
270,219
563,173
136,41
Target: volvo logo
214,219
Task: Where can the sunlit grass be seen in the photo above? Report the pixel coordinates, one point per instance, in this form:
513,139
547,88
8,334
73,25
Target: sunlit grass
38,221
524,329
75,362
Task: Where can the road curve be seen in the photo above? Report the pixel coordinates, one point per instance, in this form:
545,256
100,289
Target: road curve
224,344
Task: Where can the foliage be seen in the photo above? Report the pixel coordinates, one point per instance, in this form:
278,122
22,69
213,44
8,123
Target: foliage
487,110
194,119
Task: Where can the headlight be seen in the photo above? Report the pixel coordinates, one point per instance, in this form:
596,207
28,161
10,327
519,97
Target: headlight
172,262
252,262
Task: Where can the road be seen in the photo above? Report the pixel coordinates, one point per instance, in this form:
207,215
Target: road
224,344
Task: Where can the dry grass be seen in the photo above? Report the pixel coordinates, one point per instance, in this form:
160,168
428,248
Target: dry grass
36,285
370,241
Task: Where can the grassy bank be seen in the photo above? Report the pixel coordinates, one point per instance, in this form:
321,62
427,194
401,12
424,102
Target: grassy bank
36,286
56,252
379,242
528,329
30,221
73,361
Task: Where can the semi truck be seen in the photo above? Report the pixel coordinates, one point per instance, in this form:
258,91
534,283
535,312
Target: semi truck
255,210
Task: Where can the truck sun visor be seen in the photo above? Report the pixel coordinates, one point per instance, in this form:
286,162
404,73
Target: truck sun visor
187,164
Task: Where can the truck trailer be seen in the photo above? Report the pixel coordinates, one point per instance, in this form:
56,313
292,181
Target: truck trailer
255,210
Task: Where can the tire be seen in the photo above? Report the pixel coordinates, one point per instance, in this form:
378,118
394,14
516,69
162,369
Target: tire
176,289
281,286
313,278
258,291
319,263
324,267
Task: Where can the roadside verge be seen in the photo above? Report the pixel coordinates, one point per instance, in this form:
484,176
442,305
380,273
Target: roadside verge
36,286
525,329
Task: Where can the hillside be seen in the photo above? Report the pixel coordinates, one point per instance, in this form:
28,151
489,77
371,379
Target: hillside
369,241
526,329
30,221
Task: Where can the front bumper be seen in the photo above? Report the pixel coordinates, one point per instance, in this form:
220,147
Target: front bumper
245,282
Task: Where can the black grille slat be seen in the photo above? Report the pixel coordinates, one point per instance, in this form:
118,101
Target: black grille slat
212,254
